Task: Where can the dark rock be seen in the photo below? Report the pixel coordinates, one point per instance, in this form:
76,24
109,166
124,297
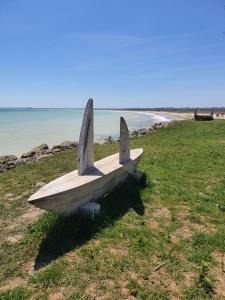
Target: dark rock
10,166
6,158
48,152
41,148
11,163
28,154
27,160
56,147
2,168
64,145
36,151
69,144
19,162
56,150
157,125
142,131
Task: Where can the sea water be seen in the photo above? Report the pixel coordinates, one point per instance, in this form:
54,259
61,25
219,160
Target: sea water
23,129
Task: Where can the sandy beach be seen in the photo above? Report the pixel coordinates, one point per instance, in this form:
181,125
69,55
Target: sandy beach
180,115
172,115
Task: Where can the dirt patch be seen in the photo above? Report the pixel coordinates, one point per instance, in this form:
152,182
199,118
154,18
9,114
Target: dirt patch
131,298
40,184
96,242
28,217
104,297
108,282
218,274
183,212
123,283
219,258
117,251
124,290
220,285
31,214
162,213
189,278
133,275
13,239
72,256
166,282
91,290
206,219
184,217
13,283
183,232
29,268
56,296
13,197
154,225
9,196
203,228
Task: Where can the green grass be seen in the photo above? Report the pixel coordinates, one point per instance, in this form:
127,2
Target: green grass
18,293
153,241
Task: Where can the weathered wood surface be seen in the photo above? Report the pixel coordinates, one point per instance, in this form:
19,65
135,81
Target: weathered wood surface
65,194
124,142
86,141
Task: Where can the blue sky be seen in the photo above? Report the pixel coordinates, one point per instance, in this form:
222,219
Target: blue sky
123,53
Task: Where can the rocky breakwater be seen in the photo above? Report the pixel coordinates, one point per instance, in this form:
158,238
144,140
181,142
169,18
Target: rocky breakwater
8,162
137,132
143,131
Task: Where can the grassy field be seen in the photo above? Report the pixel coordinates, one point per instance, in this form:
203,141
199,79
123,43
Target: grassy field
162,240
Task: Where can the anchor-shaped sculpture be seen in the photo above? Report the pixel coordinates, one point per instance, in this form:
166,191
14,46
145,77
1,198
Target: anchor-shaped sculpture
92,179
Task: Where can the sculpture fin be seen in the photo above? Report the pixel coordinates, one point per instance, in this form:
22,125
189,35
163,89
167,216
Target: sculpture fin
86,141
124,142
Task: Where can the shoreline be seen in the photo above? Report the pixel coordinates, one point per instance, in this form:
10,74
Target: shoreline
8,162
171,115
30,132
159,116
162,115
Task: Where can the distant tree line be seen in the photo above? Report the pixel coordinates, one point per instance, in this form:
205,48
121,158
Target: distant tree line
172,109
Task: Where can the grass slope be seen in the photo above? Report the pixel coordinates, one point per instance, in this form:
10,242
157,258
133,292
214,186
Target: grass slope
162,241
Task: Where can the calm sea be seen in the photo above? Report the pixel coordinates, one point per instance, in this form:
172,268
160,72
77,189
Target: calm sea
22,129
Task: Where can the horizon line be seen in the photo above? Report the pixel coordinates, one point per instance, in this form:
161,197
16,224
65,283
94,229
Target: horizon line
117,108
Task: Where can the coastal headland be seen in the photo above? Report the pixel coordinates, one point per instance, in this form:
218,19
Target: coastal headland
163,239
